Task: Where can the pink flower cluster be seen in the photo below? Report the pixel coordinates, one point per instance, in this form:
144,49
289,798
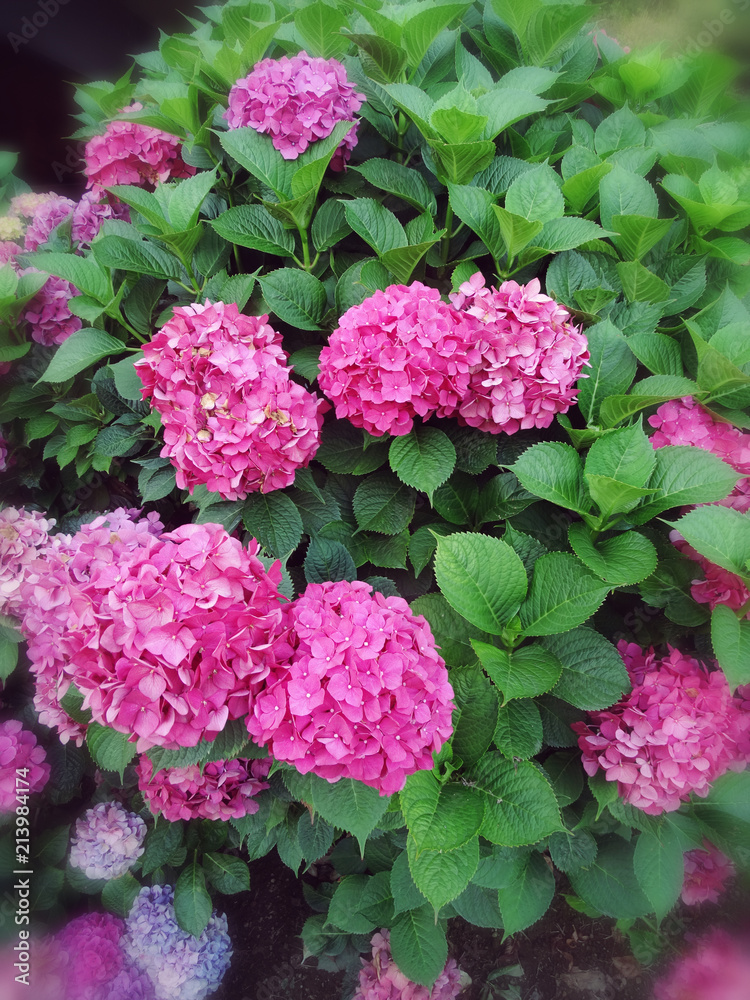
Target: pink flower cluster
130,153
685,422
401,353
107,841
19,753
180,634
364,694
296,101
57,601
706,871
86,217
381,979
224,789
233,419
90,954
717,967
677,730
532,356
22,534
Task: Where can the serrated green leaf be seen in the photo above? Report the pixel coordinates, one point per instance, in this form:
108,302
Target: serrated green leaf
418,945
382,503
731,641
685,475
621,560
553,471
110,749
296,297
81,350
659,868
609,884
518,733
520,806
439,817
594,676
423,459
563,594
442,875
192,903
524,673
528,897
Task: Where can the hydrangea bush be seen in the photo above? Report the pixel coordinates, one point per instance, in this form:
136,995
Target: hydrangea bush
376,456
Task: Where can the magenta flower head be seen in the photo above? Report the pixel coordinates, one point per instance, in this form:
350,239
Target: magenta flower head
23,534
178,964
130,153
296,101
48,313
531,356
672,735
23,767
107,842
47,216
381,979
225,789
716,967
233,419
401,353
186,629
90,954
90,213
706,871
364,695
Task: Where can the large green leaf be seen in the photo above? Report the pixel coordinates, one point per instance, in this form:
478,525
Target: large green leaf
81,350
110,750
621,560
553,471
418,945
524,673
518,734
520,805
453,633
319,26
528,896
659,868
253,226
563,594
192,903
475,716
612,369
442,875
720,534
273,519
594,676
731,641
685,475
424,458
296,297
382,503
609,884
439,817
404,182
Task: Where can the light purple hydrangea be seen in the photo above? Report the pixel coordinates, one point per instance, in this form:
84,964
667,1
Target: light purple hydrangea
129,984
108,840
178,964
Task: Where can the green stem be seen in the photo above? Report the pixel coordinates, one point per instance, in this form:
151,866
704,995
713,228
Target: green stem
305,248
445,244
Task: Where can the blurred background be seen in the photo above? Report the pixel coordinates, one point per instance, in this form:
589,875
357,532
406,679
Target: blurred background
46,45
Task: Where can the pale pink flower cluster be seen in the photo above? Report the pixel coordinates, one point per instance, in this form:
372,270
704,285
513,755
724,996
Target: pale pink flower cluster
364,693
22,534
401,353
233,419
222,790
19,753
532,356
107,841
706,871
48,216
685,422
717,967
57,598
130,153
673,734
27,204
381,979
185,630
296,101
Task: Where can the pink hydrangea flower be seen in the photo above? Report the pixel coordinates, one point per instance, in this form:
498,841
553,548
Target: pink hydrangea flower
8,251
22,534
232,417
296,101
706,871
401,353
56,604
672,735
20,752
685,422
48,313
90,954
28,203
47,217
90,213
107,841
531,356
717,967
130,153
364,694
225,789
381,979
179,635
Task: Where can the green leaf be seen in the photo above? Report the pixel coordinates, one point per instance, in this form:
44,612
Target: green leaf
192,903
551,29
520,806
387,59
85,273
273,519
8,657
458,162
227,873
439,817
518,733
349,805
566,234
155,484
406,896
319,26
612,369
231,742
442,875
625,193
187,197
344,910
453,123
162,841
378,227
315,836
328,560
528,896
256,153
453,634
421,29
81,350
720,534
685,475
423,459
418,945
475,716
571,851
381,503
296,297
137,256
625,455
119,894
401,261
109,749
524,673
659,353
516,232
536,195
621,560
553,471
127,380
343,450
563,594
640,284
637,234
563,768
475,207
619,131
478,906
609,884
594,676
731,641
253,226
482,578
659,868
329,225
